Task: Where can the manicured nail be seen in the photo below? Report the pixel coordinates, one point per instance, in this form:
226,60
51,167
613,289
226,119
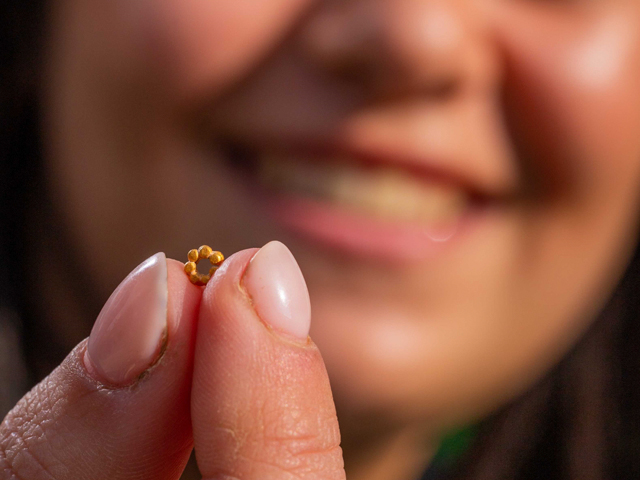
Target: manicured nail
128,334
278,290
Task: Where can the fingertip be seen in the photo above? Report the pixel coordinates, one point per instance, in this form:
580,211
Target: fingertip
279,292
142,419
119,349
179,284
228,276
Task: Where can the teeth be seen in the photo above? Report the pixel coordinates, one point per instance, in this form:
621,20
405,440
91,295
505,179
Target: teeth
386,193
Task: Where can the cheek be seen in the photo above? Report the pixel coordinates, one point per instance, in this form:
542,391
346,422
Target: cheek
206,45
572,96
164,52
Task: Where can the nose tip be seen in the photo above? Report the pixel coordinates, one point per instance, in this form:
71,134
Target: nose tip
397,45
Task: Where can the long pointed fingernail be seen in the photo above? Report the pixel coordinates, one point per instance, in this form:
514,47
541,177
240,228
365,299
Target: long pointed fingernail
275,284
128,334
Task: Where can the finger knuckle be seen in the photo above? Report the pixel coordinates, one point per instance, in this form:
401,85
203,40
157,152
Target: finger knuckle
302,445
261,467
295,430
288,445
296,461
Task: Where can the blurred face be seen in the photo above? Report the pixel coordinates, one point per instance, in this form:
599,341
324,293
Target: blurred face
458,179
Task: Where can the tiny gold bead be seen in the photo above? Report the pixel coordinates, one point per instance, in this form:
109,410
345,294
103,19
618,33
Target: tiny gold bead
212,270
216,258
205,251
190,267
193,255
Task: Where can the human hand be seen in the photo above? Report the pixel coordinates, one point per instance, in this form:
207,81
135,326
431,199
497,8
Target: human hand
249,392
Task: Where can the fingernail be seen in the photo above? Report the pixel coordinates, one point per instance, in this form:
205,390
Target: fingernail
128,334
275,284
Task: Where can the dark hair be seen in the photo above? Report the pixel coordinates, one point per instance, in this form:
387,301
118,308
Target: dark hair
21,34
580,422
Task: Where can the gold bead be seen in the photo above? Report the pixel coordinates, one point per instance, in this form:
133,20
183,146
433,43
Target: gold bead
194,256
204,251
216,258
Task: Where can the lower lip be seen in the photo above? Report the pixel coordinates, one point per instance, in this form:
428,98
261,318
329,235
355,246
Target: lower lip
359,235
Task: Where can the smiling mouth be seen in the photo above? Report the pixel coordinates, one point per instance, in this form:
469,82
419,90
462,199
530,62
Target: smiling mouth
364,207
384,193
381,191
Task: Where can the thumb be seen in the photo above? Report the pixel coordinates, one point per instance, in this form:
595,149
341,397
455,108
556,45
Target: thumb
118,406
261,403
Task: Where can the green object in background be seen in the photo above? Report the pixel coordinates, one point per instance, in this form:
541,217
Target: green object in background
454,445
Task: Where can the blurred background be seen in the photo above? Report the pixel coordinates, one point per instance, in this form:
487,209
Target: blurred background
457,179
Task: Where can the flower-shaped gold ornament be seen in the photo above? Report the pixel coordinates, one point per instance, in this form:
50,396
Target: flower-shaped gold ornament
202,253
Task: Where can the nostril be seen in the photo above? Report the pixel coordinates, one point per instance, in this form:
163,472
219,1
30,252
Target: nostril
442,89
360,68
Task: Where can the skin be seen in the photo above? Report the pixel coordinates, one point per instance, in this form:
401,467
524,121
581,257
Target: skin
540,99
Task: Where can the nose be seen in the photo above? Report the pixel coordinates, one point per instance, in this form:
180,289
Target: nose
437,47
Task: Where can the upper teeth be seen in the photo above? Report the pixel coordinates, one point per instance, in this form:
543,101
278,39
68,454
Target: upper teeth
387,193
